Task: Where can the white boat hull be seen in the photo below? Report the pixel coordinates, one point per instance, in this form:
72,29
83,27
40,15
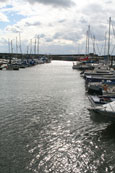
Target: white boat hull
103,114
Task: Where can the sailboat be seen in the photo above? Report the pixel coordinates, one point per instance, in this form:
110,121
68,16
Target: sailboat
85,63
103,72
107,110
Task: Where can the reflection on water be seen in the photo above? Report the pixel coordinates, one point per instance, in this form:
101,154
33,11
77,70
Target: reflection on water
108,133
45,125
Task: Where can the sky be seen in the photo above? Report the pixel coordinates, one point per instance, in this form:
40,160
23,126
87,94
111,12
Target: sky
56,26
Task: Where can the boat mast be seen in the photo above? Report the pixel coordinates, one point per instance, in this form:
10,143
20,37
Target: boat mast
35,47
88,37
93,44
38,45
11,47
86,43
30,46
27,49
16,45
109,39
8,45
20,43
11,52
105,43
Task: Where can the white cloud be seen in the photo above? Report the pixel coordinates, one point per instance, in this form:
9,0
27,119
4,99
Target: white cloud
59,27
3,17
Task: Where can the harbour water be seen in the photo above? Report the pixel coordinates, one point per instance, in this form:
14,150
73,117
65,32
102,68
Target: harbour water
45,126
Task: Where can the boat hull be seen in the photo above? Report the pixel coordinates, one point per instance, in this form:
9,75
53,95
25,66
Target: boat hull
102,114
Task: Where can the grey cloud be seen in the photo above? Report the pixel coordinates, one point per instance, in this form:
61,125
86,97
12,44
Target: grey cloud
55,3
72,36
62,21
48,39
50,24
3,41
59,21
17,28
113,22
58,35
40,35
108,2
93,9
99,32
100,36
45,37
32,24
3,0
58,49
14,29
83,21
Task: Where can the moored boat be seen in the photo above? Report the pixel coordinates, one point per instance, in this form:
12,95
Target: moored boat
12,67
101,99
106,111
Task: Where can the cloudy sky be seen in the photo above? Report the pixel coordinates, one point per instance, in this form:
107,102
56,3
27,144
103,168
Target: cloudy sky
60,25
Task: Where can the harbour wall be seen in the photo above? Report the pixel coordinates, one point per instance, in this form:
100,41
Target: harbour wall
64,57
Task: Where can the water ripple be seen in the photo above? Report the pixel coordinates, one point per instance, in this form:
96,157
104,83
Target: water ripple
45,126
